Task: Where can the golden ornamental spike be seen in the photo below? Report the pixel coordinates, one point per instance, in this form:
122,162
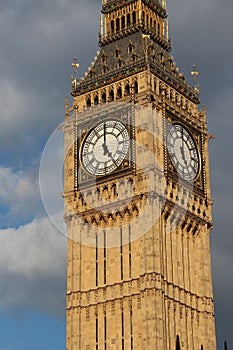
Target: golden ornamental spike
195,74
75,65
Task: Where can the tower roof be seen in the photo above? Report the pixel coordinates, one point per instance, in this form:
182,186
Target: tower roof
133,37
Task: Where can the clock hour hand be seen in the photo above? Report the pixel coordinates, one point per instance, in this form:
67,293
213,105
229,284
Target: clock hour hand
105,148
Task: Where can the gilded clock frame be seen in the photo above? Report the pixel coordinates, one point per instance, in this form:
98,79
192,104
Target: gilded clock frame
198,182
124,115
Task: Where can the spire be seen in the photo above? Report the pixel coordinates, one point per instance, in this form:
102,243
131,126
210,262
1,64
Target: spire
195,74
75,65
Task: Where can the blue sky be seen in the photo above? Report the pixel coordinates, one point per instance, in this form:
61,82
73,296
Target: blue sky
38,41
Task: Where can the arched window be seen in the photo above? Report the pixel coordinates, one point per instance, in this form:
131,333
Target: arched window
130,48
119,92
103,58
88,103
104,69
96,100
151,49
117,25
127,89
122,22
134,17
158,29
171,94
151,23
119,63
111,96
128,20
104,97
92,74
117,53
136,87
134,57
155,85
112,27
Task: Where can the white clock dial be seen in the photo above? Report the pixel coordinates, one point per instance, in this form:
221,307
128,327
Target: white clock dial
183,152
105,147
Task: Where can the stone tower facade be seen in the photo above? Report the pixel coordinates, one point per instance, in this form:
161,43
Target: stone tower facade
137,194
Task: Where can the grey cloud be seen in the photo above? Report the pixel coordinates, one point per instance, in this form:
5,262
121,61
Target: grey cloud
33,268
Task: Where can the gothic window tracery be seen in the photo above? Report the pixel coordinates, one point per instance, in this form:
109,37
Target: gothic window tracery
136,87
117,52
104,58
119,92
88,102
128,20
130,48
127,89
103,97
92,73
117,25
147,21
134,57
111,95
159,29
104,69
134,17
123,22
112,27
96,100
119,63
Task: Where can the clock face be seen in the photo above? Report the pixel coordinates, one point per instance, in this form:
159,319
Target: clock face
105,147
183,152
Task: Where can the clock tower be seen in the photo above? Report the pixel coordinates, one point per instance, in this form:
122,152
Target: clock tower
137,196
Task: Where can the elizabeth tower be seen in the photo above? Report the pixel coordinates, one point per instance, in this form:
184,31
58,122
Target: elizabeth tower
137,193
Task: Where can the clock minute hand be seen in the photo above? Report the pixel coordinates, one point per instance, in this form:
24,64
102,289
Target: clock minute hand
105,133
182,154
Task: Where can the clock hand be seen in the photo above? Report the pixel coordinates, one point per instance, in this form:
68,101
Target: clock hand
104,144
182,153
105,133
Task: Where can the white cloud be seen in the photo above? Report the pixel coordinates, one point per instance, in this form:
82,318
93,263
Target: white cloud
33,267
19,196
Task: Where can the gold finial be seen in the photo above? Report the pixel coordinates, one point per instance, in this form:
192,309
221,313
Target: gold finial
167,30
75,65
195,73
